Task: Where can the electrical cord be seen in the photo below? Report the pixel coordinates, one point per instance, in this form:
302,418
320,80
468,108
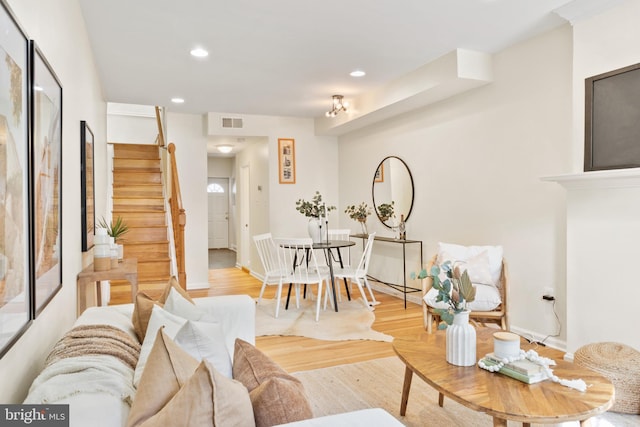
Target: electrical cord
542,341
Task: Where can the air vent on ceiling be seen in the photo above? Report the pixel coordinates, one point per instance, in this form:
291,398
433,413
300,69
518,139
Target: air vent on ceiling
228,122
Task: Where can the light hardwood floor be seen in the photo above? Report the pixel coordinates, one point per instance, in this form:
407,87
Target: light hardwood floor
300,353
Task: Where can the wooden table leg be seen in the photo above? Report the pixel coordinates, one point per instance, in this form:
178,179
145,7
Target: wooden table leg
499,422
440,400
99,293
408,374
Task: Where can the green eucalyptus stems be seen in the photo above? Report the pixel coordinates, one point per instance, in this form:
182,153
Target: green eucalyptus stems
316,208
456,289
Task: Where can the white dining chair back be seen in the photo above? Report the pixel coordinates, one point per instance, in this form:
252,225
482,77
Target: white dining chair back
359,273
270,256
299,260
342,234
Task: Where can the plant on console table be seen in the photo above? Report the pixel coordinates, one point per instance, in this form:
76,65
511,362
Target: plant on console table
386,211
314,210
455,290
359,213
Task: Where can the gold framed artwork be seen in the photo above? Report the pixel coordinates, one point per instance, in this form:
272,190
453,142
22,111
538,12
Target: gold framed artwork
379,176
287,160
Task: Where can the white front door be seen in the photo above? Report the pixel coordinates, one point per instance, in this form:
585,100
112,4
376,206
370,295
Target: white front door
218,201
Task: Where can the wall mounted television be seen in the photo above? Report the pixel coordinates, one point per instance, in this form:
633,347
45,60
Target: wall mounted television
612,120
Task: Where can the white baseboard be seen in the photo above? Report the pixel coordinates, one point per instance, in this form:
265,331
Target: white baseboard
552,342
202,285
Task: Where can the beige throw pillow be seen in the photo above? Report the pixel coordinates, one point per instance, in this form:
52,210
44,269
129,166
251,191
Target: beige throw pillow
168,368
175,391
276,396
143,305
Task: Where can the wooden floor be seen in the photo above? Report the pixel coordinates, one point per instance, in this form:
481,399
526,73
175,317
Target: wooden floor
300,353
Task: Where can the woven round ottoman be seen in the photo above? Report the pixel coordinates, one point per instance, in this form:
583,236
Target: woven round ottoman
621,365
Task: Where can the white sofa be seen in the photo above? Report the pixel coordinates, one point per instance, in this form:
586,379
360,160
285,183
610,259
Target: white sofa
106,402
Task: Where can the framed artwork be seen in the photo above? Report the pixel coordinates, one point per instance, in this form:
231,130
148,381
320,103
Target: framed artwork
379,176
287,160
46,149
15,277
87,195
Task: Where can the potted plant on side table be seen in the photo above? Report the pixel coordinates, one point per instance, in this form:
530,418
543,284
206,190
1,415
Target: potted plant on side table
116,229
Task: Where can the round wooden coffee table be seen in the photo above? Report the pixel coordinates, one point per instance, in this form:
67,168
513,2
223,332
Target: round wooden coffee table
499,396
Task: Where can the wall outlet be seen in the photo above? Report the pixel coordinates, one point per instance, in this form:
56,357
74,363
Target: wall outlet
548,292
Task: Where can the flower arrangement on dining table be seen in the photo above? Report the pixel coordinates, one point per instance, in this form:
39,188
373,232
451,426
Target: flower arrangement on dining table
315,208
454,288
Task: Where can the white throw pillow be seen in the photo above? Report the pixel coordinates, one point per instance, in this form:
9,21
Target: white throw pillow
474,254
487,298
180,306
205,341
172,324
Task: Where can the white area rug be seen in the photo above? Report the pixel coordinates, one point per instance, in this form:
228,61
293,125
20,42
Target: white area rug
378,384
352,321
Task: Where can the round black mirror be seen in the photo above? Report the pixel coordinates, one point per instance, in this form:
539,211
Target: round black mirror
392,187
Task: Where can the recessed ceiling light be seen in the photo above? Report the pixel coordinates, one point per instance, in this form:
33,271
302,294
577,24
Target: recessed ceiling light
199,52
357,73
177,100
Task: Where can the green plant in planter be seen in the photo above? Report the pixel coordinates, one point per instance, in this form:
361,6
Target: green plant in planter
315,208
385,211
455,289
116,229
358,213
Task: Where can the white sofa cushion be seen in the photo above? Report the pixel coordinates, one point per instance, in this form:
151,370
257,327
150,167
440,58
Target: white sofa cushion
487,299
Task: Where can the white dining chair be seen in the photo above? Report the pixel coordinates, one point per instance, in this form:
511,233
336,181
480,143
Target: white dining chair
359,273
299,260
270,256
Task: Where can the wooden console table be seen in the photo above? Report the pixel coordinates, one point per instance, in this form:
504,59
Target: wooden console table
404,242
127,270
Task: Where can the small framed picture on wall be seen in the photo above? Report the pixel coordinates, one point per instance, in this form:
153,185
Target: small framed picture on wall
287,160
379,177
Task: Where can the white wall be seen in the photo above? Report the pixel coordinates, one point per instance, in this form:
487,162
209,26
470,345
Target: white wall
476,160
603,224
58,28
186,132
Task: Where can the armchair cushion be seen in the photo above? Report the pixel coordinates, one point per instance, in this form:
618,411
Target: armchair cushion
484,263
487,299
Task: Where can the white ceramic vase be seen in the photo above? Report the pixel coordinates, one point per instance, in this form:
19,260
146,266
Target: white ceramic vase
461,341
314,229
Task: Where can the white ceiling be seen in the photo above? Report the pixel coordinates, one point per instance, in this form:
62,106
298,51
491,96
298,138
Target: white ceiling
287,57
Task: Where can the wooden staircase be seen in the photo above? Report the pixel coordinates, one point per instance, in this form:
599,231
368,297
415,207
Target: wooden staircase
138,199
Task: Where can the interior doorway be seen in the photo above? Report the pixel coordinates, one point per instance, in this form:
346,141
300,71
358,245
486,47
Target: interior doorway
218,212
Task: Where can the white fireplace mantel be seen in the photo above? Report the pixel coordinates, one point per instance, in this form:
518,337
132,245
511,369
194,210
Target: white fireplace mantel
618,178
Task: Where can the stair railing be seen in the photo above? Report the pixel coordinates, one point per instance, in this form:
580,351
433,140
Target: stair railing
178,216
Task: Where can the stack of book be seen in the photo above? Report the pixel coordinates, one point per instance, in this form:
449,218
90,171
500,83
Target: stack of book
523,370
